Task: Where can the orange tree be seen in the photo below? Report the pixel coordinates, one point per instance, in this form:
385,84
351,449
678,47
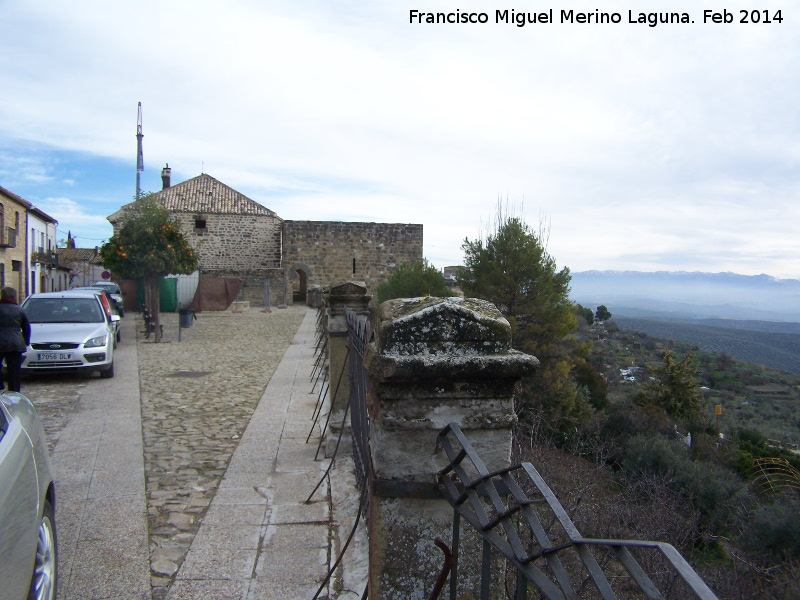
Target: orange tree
149,245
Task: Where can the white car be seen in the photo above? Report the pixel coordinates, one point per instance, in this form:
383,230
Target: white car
28,548
70,331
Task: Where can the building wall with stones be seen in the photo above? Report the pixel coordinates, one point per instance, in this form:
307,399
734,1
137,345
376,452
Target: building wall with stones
331,252
236,236
234,244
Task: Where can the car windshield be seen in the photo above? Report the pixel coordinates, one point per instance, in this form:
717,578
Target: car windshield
63,310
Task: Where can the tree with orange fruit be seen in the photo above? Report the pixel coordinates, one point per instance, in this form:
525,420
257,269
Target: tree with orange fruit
149,245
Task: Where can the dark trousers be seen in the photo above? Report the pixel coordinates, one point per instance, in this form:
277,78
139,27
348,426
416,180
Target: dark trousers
13,361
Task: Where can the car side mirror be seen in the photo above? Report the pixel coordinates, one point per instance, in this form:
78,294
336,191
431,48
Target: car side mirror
115,318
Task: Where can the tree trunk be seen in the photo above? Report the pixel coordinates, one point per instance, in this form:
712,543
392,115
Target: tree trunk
151,295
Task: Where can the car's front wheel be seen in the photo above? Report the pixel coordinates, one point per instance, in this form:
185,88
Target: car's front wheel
45,568
109,372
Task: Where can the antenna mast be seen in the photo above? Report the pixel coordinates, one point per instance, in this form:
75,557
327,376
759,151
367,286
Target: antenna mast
139,155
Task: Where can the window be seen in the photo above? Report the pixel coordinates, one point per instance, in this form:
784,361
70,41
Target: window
354,266
200,225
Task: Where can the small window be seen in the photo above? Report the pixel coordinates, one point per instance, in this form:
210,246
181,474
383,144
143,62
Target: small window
354,266
199,225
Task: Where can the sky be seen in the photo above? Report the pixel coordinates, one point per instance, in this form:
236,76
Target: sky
666,148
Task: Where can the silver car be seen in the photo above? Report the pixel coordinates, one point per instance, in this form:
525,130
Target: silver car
70,331
28,549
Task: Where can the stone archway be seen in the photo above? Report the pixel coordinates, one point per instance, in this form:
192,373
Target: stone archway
300,287
299,281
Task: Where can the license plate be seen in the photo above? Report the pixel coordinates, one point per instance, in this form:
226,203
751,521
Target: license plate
53,356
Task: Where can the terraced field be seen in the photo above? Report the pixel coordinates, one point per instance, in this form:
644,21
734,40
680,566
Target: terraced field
774,350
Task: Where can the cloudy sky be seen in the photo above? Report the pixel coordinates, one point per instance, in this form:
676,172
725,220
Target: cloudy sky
674,147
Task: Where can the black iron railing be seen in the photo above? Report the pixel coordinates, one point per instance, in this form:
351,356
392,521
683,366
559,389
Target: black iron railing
511,510
359,331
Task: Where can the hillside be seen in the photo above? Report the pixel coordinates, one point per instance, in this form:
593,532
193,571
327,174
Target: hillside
741,340
752,395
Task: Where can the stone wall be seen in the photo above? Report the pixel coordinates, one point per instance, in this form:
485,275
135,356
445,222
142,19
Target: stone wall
232,244
334,251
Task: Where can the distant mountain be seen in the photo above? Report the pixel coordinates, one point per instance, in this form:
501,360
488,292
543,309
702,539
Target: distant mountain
684,296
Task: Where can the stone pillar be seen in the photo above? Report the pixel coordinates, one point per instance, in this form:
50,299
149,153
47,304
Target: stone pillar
352,294
434,361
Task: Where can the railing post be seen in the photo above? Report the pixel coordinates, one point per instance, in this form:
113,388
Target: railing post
434,361
353,295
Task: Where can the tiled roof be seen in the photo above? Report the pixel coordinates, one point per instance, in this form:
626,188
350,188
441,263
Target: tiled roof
14,197
204,194
89,255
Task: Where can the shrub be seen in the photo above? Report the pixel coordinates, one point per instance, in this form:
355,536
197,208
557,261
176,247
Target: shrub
776,530
721,496
412,280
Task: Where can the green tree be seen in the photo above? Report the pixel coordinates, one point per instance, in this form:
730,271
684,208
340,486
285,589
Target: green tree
413,280
675,388
602,313
149,245
584,312
511,268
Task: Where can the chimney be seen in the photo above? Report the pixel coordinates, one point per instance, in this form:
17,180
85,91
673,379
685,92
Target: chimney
165,174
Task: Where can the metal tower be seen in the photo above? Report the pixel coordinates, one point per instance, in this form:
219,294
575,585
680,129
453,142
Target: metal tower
139,155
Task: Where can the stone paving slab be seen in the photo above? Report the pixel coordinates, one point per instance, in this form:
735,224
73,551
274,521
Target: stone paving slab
258,531
198,398
101,512
157,466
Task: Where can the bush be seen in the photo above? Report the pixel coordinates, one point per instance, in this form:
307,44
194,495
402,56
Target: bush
776,530
413,280
721,496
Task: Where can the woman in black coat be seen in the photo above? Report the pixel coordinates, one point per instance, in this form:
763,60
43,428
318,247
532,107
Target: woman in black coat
15,335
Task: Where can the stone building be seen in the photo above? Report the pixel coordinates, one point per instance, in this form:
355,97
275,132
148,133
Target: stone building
234,235
330,252
13,251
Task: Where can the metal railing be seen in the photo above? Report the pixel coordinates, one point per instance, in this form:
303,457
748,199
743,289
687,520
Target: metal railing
359,332
507,508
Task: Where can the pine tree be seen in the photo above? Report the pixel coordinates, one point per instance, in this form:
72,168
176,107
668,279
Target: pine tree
675,388
512,268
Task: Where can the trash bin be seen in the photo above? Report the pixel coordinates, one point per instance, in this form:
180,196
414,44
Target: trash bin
185,317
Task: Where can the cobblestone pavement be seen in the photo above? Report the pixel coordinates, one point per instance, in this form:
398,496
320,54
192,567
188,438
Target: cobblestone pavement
197,398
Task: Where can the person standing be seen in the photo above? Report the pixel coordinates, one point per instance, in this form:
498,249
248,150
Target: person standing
15,336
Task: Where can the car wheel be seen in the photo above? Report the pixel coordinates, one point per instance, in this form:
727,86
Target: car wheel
119,336
45,568
108,373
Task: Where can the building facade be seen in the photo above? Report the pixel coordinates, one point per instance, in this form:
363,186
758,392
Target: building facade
13,255
43,272
235,236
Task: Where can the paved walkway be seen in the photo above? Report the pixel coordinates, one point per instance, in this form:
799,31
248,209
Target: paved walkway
101,509
257,539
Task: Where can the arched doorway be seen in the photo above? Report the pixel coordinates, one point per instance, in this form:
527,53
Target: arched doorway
300,286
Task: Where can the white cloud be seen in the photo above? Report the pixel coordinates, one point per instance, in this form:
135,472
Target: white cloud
89,229
674,146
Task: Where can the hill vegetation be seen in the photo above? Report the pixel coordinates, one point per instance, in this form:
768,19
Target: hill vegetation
778,347
728,502
647,438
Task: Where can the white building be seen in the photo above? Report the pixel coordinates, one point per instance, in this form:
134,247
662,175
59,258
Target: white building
44,275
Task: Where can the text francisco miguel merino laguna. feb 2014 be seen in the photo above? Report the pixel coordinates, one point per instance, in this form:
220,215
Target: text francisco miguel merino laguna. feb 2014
651,19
